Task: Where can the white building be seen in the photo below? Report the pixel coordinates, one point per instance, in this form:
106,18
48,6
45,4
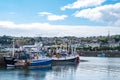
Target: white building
92,45
114,44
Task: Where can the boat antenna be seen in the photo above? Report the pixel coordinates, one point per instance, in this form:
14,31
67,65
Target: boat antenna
108,34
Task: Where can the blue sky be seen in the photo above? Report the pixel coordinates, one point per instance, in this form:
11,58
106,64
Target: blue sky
79,18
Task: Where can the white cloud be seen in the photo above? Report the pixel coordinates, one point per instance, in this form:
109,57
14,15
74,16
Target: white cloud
46,29
12,25
83,4
56,17
44,13
52,17
108,13
7,24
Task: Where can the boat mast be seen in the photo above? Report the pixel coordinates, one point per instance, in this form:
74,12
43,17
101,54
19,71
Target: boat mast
13,52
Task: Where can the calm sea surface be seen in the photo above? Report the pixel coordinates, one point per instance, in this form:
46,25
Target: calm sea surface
94,68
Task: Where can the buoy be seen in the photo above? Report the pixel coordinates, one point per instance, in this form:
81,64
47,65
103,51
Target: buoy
77,59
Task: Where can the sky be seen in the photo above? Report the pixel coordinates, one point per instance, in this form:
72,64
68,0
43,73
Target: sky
58,18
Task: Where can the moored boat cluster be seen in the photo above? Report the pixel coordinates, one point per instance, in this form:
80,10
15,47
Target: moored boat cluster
37,56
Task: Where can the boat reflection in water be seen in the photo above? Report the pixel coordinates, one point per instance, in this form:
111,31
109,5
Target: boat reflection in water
59,72
63,72
36,74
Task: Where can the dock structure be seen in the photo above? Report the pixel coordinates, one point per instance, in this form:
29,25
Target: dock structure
2,63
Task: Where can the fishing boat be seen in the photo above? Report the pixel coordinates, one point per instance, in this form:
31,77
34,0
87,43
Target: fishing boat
35,64
65,56
9,59
72,59
35,59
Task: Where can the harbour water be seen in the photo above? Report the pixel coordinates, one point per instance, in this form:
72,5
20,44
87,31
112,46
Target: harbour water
94,68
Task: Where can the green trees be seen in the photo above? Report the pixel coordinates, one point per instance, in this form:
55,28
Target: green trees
5,40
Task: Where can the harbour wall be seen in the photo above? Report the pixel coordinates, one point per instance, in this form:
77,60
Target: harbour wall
98,53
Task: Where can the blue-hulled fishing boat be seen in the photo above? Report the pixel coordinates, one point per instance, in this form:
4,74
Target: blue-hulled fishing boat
34,58
34,64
